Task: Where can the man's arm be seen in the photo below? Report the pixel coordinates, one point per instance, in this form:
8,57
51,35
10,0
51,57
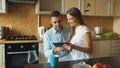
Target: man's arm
48,49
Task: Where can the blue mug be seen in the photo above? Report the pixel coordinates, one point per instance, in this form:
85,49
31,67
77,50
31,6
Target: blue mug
54,61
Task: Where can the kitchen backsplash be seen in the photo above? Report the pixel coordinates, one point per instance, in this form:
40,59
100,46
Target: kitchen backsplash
92,21
22,17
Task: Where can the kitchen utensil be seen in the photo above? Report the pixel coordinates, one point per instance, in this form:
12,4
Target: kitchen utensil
98,31
41,31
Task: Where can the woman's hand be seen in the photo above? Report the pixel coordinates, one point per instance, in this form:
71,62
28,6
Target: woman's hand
68,43
67,47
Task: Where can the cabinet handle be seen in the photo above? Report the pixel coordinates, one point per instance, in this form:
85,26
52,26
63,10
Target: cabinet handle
115,52
17,52
115,49
87,8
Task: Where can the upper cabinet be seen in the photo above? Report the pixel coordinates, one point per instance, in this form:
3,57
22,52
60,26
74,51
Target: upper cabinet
71,3
87,7
46,6
116,7
97,7
2,6
103,7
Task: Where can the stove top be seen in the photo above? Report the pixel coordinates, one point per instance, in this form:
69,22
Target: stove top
23,37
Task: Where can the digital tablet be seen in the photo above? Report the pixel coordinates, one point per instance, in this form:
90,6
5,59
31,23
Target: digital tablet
58,44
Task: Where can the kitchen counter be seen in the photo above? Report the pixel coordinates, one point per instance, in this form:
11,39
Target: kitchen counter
113,61
3,41
105,38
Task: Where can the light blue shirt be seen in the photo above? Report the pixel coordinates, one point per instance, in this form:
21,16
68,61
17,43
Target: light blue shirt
52,36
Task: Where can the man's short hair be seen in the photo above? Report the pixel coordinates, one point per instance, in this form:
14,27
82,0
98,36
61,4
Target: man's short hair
55,14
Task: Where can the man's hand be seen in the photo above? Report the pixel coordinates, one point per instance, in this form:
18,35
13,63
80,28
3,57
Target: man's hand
57,49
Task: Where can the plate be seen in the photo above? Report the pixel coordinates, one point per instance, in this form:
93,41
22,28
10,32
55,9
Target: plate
58,44
79,65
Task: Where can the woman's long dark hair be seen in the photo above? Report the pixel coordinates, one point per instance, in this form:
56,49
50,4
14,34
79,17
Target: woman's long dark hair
76,13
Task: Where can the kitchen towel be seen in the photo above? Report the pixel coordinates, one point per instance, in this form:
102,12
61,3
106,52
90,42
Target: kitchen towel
32,57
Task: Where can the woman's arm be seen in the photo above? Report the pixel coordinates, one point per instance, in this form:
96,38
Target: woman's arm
88,40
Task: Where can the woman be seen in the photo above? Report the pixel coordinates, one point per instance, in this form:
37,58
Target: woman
81,41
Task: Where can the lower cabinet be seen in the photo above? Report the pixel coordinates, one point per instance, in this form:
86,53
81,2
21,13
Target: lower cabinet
43,59
115,48
101,48
2,56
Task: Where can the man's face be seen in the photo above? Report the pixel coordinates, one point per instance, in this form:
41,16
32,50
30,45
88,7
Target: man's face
57,23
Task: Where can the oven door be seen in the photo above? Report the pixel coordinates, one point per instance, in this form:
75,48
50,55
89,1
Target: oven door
16,56
16,60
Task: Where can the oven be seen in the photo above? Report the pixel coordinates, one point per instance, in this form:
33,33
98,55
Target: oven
19,54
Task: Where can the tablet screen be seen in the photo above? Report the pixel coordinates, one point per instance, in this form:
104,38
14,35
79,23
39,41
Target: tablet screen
58,44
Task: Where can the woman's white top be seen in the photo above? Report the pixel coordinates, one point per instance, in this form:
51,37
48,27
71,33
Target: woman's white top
78,39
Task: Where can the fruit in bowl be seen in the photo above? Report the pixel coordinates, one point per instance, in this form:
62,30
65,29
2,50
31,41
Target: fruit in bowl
98,65
115,34
106,66
101,65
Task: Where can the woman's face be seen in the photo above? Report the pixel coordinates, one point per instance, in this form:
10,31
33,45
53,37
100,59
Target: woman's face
73,21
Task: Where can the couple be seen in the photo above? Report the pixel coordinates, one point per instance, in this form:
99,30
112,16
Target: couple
78,39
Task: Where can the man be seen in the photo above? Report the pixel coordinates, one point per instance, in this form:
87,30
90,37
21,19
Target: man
57,34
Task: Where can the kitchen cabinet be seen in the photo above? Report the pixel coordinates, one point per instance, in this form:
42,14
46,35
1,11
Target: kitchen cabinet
97,7
116,7
2,56
115,48
89,7
102,7
2,6
71,3
101,48
46,6
43,59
